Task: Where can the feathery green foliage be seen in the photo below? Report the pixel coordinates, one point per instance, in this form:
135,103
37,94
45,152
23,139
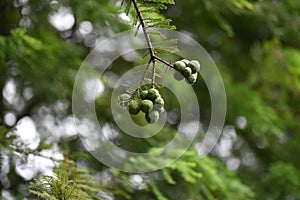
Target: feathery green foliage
150,9
203,178
68,182
6,139
152,18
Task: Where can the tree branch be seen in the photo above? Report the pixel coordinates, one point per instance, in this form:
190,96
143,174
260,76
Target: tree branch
141,81
153,57
142,21
163,61
153,75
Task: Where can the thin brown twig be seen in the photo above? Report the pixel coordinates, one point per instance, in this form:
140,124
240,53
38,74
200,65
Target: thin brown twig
141,19
141,81
153,75
145,73
163,61
153,57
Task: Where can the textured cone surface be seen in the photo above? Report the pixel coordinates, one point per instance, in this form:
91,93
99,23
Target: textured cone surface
187,72
159,108
179,66
159,101
153,94
194,65
152,116
144,94
192,78
146,105
134,107
186,61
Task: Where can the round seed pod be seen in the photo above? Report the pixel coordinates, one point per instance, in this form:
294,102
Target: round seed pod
187,72
186,61
192,78
134,107
143,94
159,105
178,76
159,108
146,105
123,99
159,101
179,66
152,116
194,65
153,94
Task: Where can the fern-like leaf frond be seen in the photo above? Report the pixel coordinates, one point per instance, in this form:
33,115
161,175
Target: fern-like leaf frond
68,182
150,9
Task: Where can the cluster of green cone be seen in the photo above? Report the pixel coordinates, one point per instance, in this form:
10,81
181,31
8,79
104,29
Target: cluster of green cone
148,102
187,69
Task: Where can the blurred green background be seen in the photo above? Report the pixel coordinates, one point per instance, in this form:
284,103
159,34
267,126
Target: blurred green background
256,46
